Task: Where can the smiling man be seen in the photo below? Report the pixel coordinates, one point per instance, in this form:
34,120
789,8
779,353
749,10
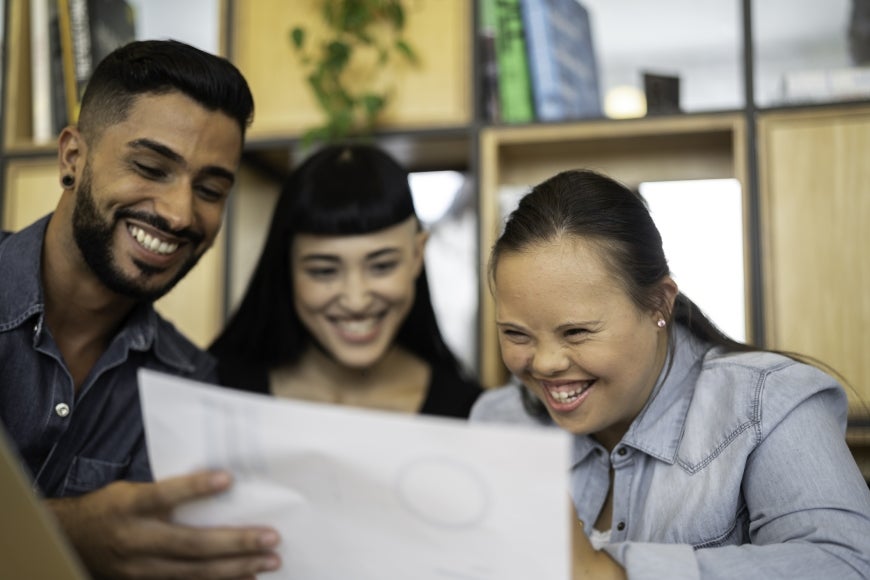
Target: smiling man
145,176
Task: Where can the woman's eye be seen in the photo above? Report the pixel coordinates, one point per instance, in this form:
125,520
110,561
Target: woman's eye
576,333
384,267
514,335
320,273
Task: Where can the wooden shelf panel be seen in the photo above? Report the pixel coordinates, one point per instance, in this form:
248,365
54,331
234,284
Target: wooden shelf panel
815,201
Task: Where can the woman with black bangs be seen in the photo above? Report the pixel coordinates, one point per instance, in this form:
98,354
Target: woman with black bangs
338,308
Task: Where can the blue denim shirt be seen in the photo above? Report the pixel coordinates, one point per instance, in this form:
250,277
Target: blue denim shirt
72,442
737,467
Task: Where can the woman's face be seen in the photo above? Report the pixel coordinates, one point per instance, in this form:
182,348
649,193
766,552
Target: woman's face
353,292
570,332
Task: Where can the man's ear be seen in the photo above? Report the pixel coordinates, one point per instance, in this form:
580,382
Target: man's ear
420,240
71,153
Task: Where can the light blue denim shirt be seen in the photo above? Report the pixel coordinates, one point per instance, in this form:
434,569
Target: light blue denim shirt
737,467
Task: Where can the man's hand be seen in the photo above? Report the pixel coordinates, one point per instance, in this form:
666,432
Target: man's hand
124,531
586,562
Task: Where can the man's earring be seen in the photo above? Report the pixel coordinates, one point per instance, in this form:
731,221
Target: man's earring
661,323
67,181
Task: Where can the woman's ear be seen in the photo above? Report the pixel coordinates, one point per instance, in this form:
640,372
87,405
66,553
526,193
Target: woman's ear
420,239
668,291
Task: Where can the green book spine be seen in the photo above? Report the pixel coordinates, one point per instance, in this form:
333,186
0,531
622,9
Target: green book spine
514,84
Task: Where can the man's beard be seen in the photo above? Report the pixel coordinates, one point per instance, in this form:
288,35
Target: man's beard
95,239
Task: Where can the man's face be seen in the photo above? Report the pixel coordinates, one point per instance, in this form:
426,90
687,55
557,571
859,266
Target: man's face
151,195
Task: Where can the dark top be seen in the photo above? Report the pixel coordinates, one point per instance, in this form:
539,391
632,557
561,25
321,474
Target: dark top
449,394
72,442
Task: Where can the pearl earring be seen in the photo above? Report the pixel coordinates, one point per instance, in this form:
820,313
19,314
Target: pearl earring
661,323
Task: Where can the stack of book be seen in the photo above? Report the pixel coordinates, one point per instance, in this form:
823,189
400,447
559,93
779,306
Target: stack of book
538,61
67,39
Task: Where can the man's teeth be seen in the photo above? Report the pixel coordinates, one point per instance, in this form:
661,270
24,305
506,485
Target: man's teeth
151,243
567,396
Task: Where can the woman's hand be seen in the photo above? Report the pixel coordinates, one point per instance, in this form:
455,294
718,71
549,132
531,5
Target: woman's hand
586,561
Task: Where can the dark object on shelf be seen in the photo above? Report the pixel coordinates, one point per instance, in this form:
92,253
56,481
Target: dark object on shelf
662,93
89,31
489,64
859,32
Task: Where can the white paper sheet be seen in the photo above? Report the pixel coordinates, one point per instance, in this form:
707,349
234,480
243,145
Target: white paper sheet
359,494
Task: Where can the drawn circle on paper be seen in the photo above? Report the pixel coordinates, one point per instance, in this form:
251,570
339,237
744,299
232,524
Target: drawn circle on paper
443,492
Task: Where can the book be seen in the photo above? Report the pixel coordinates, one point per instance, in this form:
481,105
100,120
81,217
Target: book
40,71
489,67
503,18
821,85
59,114
89,31
561,60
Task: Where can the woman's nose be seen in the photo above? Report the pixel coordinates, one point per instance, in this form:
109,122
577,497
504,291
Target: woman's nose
356,294
549,361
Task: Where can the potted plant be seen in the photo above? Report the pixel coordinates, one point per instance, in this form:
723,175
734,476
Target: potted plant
344,69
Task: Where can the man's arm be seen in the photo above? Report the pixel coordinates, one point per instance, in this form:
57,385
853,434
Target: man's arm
125,530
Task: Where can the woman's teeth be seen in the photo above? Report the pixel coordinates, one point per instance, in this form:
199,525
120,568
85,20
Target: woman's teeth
357,327
568,396
151,243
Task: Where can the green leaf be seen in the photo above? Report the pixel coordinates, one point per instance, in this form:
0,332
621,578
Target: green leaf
395,14
297,37
337,55
373,104
406,51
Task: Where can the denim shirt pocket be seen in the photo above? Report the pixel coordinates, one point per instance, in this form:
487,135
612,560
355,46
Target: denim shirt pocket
87,474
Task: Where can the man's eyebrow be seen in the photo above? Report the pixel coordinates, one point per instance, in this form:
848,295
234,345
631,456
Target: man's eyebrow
168,153
156,147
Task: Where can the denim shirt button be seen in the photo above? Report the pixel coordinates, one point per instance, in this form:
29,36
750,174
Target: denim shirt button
620,526
62,409
621,451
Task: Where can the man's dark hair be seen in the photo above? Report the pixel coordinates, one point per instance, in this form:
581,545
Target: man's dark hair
161,67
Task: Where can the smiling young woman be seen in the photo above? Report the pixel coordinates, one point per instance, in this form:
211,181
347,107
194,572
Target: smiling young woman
694,455
338,308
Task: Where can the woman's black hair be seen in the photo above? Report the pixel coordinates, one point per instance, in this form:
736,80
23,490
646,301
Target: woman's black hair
342,189
591,206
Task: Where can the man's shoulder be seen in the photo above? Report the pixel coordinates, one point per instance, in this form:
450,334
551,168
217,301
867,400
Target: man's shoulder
175,349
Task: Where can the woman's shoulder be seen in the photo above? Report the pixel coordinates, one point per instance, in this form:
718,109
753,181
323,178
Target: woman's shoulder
451,392
755,372
502,405
243,375
760,388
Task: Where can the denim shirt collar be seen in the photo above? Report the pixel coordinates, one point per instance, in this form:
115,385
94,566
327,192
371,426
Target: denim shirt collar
658,428
21,298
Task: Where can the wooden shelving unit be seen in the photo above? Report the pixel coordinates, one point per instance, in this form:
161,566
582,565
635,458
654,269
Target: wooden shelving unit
802,171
